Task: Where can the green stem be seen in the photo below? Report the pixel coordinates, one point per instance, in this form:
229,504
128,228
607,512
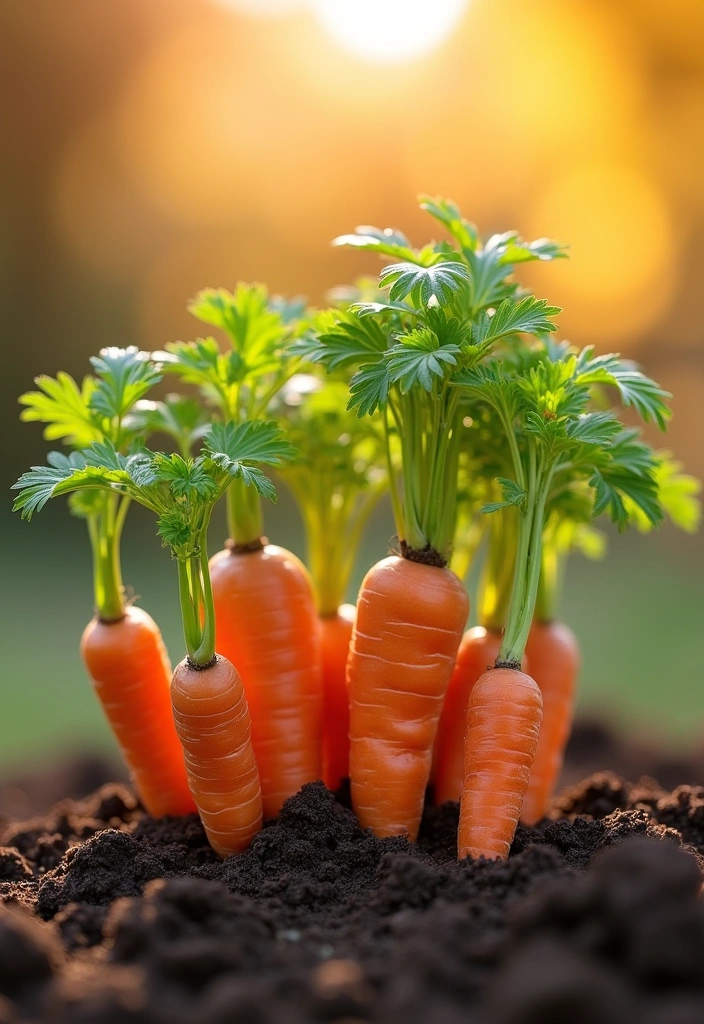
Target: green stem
104,531
513,652
244,513
396,505
196,598
522,551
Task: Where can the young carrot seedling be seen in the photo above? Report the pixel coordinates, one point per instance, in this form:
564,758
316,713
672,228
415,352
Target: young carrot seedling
122,647
553,438
209,705
267,622
337,481
412,609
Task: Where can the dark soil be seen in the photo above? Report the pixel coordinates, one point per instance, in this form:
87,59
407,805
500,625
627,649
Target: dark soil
596,918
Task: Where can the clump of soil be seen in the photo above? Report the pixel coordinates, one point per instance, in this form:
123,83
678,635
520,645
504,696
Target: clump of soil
110,916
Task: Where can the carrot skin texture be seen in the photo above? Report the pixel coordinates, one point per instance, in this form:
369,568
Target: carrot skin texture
553,652
503,724
267,626
478,651
335,636
212,721
131,675
410,619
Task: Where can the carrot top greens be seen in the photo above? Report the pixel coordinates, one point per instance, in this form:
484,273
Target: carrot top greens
180,491
239,384
562,448
337,479
449,305
99,410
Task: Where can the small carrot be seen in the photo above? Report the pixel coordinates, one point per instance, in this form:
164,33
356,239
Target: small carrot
409,624
268,627
122,648
553,653
337,480
213,724
335,638
211,715
503,724
556,446
129,667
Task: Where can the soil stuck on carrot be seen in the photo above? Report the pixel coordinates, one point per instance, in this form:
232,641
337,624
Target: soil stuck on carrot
110,916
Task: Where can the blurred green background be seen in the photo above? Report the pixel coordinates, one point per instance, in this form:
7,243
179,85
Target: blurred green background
150,149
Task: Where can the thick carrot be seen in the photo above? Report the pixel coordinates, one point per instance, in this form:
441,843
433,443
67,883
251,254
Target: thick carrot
478,652
267,626
503,724
553,652
335,636
130,670
410,619
212,722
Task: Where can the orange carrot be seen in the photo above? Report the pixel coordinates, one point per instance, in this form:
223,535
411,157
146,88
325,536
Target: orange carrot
335,636
130,670
478,652
212,721
267,626
553,652
503,723
409,625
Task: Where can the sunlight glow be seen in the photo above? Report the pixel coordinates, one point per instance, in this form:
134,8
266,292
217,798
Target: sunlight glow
388,31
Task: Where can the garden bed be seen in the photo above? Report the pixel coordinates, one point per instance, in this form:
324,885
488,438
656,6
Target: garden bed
596,917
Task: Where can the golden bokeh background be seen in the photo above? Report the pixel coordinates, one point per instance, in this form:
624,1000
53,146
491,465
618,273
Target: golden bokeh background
152,147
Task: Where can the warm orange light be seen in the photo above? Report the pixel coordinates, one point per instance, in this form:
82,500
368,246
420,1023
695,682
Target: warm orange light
620,273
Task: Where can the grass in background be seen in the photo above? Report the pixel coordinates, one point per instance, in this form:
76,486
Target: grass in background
637,615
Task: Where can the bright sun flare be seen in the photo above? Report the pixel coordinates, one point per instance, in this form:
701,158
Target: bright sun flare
388,31
381,31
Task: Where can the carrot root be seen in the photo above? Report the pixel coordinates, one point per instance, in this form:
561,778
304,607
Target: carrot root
503,724
267,626
212,722
335,636
131,675
410,619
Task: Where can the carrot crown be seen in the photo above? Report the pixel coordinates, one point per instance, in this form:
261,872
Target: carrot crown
180,491
100,410
239,383
337,479
449,305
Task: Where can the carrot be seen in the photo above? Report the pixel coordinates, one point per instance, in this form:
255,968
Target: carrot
478,652
211,715
335,637
122,647
409,624
447,307
560,452
503,723
212,721
267,626
130,671
553,653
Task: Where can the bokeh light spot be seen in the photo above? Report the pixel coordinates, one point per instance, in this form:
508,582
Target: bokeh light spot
620,273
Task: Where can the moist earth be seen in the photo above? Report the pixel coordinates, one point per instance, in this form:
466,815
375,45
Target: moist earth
108,916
